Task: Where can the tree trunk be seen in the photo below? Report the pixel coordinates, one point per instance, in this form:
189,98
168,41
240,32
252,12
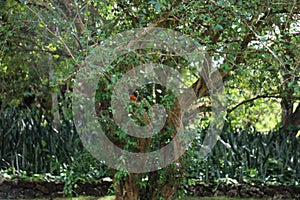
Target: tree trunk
54,96
287,111
292,120
295,117
128,188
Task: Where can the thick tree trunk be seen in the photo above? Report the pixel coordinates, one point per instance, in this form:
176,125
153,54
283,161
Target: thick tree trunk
128,188
295,117
292,119
286,111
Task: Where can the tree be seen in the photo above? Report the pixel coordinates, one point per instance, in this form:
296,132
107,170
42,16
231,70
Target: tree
254,43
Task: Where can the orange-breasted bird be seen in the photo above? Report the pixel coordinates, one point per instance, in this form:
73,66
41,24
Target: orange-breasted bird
133,95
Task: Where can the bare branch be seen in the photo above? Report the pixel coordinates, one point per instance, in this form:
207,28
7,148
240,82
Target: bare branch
251,100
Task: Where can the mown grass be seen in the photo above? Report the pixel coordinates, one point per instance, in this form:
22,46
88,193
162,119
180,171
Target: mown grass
188,198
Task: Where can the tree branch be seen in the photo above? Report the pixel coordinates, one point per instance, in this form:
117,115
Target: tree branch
252,99
51,32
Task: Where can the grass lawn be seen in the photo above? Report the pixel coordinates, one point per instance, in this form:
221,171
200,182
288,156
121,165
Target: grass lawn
188,198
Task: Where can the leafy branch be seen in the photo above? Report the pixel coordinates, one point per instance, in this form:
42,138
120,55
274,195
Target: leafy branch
51,32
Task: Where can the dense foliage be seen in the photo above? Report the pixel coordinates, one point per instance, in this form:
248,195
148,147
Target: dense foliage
40,151
254,44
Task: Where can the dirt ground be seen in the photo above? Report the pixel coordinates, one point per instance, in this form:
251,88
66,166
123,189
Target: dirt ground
27,189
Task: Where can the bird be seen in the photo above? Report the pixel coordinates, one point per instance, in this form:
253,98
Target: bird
133,95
